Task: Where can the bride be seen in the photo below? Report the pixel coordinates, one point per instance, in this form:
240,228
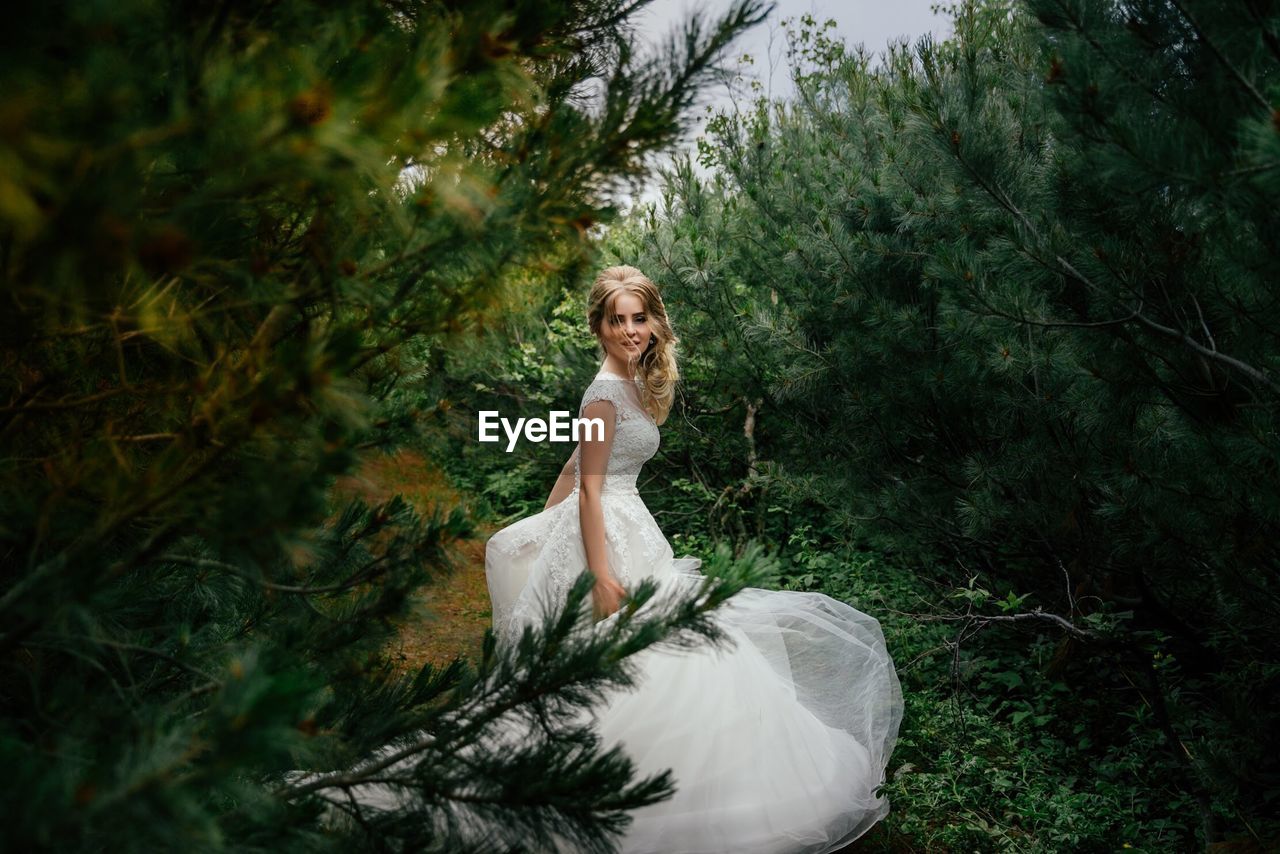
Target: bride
776,744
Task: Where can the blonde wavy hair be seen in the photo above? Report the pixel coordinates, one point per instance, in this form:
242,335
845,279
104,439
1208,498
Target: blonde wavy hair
657,370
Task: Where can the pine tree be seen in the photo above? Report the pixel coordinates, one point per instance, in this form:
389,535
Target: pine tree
1007,300
227,233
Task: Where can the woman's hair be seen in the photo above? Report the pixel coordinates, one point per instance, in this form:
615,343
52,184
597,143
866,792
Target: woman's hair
657,369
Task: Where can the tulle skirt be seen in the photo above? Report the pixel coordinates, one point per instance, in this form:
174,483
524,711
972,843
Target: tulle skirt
776,742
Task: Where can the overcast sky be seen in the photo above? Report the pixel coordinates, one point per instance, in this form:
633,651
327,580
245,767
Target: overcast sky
874,23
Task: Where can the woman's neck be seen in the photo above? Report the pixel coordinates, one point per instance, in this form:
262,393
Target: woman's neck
610,367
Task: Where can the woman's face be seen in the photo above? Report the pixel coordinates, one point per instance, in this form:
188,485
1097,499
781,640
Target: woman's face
625,334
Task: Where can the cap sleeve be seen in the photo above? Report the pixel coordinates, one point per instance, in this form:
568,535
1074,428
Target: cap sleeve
612,390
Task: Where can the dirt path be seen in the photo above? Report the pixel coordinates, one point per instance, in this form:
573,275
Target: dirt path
455,614
452,614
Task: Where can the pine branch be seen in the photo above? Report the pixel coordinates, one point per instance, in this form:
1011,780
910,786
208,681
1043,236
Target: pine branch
1221,57
1259,376
371,570
512,679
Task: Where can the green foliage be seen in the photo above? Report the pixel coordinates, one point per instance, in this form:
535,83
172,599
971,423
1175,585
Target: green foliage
1005,303
465,762
534,360
237,243
996,754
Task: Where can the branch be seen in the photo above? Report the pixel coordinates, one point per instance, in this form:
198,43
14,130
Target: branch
206,563
1235,72
146,650
1244,368
516,687
1222,358
1049,324
611,21
57,563
1038,615
64,403
343,779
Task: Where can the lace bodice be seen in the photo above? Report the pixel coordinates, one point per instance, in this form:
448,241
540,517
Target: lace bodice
635,437
535,560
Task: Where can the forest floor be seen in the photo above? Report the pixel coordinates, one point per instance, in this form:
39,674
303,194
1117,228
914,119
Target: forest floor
452,614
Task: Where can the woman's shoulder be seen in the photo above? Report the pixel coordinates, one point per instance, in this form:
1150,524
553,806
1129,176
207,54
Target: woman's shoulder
618,391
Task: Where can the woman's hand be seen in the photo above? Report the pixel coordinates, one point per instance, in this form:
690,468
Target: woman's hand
607,596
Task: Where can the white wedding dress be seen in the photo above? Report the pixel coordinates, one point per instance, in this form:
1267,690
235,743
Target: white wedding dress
776,743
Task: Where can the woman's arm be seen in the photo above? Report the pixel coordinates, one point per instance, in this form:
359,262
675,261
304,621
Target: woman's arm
564,483
608,593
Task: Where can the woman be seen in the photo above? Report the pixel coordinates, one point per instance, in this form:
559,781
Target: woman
777,744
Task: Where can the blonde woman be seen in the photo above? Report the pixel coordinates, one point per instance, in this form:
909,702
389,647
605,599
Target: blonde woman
776,744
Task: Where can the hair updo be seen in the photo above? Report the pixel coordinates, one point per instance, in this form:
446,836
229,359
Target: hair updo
657,369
